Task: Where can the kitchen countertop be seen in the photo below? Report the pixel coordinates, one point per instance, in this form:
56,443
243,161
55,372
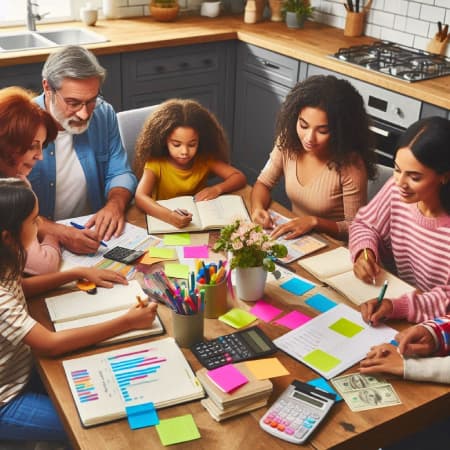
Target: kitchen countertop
312,44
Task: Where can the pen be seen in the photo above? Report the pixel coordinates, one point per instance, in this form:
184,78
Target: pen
82,227
382,292
140,301
181,212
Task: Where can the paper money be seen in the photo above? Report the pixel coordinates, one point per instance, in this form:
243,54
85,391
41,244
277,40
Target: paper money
362,392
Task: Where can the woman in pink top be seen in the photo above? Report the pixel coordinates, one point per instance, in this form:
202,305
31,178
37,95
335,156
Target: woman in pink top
25,129
407,224
323,151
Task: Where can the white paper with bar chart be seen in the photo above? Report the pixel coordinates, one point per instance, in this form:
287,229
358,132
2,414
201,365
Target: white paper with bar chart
103,385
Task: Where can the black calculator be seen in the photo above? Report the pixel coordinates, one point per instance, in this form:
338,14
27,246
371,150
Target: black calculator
123,255
250,343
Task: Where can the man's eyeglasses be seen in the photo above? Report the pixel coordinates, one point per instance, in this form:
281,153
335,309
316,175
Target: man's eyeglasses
75,105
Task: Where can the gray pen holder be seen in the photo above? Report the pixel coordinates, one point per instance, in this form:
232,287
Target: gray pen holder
187,329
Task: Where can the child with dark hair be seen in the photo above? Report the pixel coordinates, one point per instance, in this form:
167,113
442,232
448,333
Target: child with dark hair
180,145
407,224
323,150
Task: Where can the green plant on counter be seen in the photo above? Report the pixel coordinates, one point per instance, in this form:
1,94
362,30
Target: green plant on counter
301,7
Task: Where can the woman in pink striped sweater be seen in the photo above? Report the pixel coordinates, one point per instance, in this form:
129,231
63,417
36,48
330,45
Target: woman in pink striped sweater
407,224
322,150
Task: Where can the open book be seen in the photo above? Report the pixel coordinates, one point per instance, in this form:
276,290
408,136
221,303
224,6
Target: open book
79,309
335,268
206,215
103,385
298,247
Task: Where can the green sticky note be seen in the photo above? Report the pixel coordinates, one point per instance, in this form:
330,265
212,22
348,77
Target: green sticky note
237,318
346,327
176,270
177,429
321,360
177,239
161,252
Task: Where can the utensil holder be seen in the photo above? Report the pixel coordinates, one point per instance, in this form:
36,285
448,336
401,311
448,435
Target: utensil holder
216,300
354,24
437,46
187,328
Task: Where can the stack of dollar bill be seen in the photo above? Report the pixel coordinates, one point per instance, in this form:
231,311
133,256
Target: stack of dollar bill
362,392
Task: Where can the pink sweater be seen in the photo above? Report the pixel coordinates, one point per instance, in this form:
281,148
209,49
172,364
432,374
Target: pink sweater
43,257
419,246
331,195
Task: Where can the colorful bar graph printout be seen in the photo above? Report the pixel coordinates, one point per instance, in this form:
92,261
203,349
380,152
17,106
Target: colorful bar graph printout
83,385
134,372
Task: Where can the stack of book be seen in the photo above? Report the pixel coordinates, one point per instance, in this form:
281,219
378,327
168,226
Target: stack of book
221,405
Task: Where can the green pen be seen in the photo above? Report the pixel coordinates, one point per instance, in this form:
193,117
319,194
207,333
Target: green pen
382,292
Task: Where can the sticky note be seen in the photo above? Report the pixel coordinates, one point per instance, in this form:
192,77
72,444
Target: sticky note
321,360
141,416
297,286
177,239
162,252
237,318
175,270
227,378
320,302
323,384
196,251
265,311
177,429
266,368
293,319
346,327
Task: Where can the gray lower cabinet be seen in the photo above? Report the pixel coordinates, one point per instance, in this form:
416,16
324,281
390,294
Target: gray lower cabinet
263,79
204,72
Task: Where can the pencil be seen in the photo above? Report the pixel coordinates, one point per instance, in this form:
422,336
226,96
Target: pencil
140,301
365,255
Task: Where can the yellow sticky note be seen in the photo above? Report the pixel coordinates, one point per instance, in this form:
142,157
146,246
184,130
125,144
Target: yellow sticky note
177,239
176,270
162,252
237,318
266,368
323,361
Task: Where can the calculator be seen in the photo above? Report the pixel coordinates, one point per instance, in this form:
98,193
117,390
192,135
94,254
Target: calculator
297,412
123,255
250,343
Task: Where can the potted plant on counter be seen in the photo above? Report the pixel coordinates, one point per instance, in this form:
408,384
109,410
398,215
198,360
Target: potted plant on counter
296,12
164,10
252,254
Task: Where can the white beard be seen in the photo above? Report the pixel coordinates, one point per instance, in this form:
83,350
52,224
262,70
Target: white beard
65,122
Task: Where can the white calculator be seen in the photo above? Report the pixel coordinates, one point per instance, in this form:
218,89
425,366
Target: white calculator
297,412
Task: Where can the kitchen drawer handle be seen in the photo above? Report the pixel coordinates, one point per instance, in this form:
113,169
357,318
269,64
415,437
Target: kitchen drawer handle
270,65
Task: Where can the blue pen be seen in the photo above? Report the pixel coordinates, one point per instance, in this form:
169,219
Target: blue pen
82,227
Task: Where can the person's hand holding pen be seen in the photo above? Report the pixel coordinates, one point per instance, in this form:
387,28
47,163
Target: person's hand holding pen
81,240
375,311
180,218
142,315
366,267
263,218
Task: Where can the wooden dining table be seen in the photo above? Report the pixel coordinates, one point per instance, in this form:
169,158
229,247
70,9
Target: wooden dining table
421,403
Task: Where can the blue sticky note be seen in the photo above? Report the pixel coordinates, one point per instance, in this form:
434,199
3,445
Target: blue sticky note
321,383
297,286
320,302
141,416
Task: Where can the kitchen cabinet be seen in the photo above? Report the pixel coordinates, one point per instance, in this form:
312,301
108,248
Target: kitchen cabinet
29,76
263,79
204,72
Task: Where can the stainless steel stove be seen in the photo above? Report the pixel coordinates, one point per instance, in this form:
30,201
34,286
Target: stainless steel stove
399,61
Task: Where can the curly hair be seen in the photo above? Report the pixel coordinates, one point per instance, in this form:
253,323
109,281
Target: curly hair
20,119
428,139
152,140
348,121
17,202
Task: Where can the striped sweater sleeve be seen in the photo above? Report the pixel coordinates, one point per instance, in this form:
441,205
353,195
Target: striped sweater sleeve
440,328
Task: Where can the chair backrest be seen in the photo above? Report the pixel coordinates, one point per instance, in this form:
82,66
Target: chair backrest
373,186
130,125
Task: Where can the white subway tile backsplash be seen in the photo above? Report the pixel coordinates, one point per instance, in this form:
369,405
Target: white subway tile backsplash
432,13
397,36
400,23
417,27
414,9
396,7
385,20
444,3
373,30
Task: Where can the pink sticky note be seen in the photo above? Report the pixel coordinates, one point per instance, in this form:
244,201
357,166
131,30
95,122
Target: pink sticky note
196,251
293,320
227,378
265,311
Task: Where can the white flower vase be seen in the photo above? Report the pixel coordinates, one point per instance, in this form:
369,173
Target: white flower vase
250,283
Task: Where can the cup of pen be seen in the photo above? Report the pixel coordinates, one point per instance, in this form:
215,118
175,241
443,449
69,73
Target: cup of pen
354,24
187,328
216,299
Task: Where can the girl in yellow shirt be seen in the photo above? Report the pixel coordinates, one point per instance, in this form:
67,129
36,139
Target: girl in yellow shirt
180,145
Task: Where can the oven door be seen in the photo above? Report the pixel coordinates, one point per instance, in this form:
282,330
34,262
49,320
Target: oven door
385,137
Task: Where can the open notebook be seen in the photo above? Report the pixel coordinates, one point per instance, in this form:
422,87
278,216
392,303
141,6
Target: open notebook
206,215
78,309
335,268
105,384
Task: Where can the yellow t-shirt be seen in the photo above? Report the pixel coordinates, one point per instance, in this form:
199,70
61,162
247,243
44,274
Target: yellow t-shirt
173,182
